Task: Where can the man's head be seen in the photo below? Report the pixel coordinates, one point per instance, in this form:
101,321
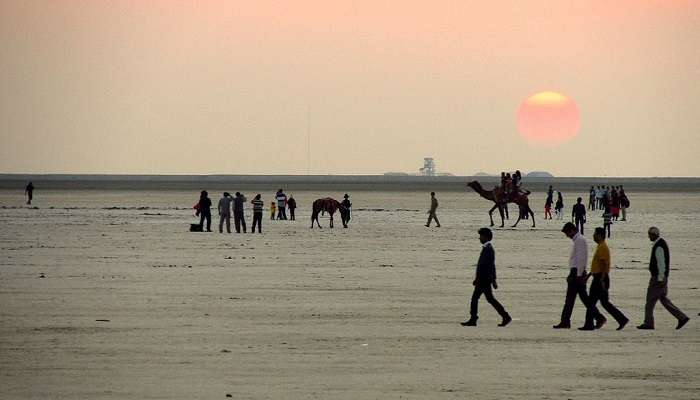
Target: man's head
257,196
226,194
238,194
599,234
578,200
654,233
432,194
569,230
485,235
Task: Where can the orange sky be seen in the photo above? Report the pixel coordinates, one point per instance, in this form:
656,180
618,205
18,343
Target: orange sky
224,87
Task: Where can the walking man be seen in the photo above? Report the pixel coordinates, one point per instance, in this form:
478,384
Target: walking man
576,281
578,214
225,212
292,204
485,278
238,215
600,269
591,199
433,208
257,213
29,191
659,267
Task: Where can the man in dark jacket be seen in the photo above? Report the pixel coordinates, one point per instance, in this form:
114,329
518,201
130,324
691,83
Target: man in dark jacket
659,267
485,278
238,216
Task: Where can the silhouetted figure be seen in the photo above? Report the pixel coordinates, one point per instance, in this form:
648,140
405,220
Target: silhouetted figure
559,206
624,203
204,210
576,281
345,211
607,217
225,212
485,278
273,209
659,267
238,214
292,204
281,204
591,199
600,269
29,191
257,213
578,214
433,208
548,203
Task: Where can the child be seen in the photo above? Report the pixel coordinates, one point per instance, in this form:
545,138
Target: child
273,209
607,219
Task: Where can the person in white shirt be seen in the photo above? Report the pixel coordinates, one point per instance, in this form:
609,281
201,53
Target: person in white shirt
576,281
659,267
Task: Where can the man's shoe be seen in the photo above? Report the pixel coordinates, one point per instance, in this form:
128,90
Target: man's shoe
437,226
562,326
471,322
587,328
599,324
645,326
622,325
506,321
682,322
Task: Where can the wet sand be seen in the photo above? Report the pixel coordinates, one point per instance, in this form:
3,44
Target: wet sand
107,296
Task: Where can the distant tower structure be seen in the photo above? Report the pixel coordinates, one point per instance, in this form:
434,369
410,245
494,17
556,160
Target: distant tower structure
428,167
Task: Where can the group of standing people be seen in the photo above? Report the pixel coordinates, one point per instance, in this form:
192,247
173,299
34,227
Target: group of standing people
234,205
610,199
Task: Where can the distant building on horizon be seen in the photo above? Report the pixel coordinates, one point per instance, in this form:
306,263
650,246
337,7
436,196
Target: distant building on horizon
428,167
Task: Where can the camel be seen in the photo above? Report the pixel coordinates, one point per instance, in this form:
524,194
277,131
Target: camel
330,206
498,196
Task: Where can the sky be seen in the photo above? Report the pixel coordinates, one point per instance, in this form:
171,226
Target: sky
236,87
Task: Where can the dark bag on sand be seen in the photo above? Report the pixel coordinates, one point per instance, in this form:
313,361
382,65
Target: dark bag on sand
196,228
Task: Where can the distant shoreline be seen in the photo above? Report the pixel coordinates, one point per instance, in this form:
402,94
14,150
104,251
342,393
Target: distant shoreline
327,182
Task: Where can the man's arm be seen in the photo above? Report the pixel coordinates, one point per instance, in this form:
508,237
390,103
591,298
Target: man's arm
661,263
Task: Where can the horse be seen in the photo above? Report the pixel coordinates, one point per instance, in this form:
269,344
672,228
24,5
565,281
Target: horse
328,205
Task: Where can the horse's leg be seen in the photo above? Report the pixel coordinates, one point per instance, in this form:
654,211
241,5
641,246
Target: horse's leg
532,214
331,215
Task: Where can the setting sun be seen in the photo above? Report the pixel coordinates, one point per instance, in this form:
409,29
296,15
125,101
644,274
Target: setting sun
548,118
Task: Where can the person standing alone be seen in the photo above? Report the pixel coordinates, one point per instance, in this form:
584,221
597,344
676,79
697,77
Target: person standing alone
600,269
29,191
659,267
433,208
485,279
204,210
578,214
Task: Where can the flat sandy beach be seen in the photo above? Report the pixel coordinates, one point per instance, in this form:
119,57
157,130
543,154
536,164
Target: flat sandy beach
106,295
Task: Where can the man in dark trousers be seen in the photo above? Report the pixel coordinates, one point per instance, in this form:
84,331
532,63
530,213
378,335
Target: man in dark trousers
29,191
659,267
576,281
292,204
600,269
485,278
345,211
578,214
238,216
